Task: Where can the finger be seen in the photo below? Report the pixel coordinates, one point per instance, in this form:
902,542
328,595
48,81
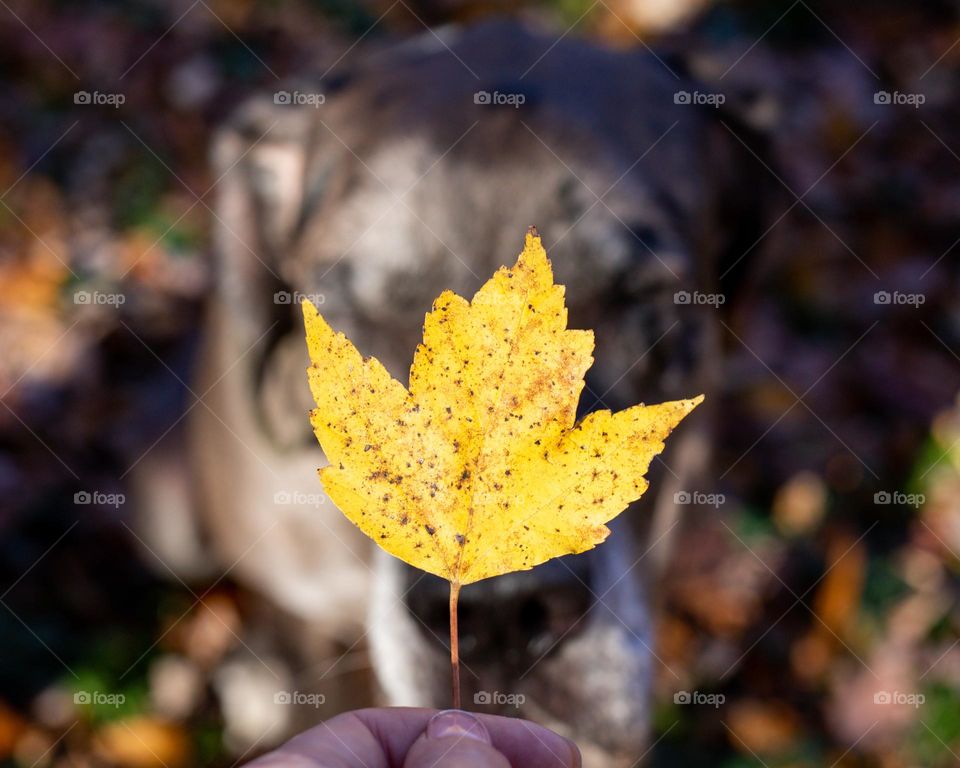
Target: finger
383,737
455,739
343,741
523,743
530,745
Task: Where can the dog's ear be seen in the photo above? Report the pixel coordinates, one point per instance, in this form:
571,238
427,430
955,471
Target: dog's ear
742,119
754,196
267,173
260,156
271,152
258,161
749,199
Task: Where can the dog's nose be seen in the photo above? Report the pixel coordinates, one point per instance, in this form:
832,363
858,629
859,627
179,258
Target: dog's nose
511,621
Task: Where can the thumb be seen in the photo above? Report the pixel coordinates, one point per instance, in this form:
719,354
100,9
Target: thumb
455,739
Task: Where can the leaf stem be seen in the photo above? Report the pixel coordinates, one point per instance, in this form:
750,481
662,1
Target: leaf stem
455,643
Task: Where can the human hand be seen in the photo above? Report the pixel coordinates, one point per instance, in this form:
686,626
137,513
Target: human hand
423,738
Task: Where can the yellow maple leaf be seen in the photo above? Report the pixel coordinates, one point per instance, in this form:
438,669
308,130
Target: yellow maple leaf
478,468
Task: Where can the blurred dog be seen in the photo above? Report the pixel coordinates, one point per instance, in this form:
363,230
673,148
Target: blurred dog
418,170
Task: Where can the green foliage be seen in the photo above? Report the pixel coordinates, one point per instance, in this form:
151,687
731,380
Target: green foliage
938,729
104,698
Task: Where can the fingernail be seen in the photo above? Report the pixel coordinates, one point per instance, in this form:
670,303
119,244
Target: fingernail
454,723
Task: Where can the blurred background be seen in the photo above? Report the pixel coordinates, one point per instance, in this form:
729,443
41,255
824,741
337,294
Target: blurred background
829,568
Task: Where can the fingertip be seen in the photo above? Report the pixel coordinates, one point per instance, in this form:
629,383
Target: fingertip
455,723
531,745
455,738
